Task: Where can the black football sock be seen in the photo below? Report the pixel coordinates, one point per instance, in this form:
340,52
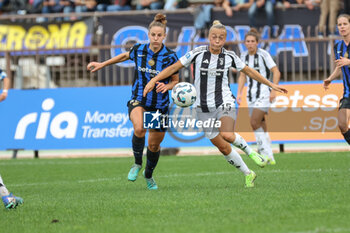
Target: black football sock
152,160
137,146
347,136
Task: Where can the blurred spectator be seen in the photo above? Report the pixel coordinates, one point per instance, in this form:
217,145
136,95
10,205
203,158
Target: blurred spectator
51,6
241,4
329,8
288,3
91,5
310,4
175,4
202,16
68,7
120,5
149,4
36,6
268,6
3,4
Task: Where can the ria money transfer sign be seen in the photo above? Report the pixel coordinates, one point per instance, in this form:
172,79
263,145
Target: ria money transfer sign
65,118
78,118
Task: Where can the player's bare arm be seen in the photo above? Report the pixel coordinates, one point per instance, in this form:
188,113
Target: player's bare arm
4,93
276,78
241,81
162,87
336,73
258,77
95,66
162,75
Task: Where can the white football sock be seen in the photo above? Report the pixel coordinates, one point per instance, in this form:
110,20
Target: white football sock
242,144
236,160
264,146
3,189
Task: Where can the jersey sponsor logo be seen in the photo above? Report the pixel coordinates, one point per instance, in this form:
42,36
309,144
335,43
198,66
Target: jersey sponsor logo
147,70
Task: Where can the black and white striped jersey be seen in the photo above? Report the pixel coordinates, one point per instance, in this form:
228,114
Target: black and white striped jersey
263,63
210,72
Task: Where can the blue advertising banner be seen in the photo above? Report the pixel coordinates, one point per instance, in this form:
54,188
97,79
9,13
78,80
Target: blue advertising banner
74,118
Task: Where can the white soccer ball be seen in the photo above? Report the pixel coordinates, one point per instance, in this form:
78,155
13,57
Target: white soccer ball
184,94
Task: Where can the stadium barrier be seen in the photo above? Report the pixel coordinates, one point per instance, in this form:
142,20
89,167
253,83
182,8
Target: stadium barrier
96,117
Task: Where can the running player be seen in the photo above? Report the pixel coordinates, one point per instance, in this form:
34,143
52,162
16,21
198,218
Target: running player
10,201
259,96
342,62
149,60
214,97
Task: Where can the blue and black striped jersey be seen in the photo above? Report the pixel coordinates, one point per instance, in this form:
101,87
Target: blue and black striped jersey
147,65
341,50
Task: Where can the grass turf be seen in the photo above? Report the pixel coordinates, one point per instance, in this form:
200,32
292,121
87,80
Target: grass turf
303,193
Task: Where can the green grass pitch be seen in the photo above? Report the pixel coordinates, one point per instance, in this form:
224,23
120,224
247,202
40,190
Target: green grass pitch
303,193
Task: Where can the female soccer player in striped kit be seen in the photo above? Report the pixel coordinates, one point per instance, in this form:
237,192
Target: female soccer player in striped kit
149,60
342,62
259,96
10,201
214,97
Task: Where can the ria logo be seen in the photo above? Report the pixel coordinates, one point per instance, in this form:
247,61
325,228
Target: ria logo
68,119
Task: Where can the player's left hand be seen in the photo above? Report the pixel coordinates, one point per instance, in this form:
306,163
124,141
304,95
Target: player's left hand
342,62
148,88
161,87
279,88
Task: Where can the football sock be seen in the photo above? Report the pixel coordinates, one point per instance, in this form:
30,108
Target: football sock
236,160
242,144
347,136
263,143
137,146
152,160
3,189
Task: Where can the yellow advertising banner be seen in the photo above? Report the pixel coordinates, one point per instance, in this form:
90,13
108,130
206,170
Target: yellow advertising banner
307,113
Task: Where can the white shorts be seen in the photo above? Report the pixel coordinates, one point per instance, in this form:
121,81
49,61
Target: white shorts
228,110
263,103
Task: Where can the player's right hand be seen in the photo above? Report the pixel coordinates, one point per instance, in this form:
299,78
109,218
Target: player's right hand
148,88
94,66
326,83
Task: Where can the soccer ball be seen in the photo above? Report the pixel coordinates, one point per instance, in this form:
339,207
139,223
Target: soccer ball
184,94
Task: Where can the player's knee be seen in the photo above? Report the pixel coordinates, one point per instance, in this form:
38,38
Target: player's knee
224,148
228,136
255,124
154,147
139,132
343,127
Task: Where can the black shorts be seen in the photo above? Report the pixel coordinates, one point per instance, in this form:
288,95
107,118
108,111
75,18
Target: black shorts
135,103
344,103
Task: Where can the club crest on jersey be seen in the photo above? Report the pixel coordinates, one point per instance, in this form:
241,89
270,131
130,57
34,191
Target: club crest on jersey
151,62
221,61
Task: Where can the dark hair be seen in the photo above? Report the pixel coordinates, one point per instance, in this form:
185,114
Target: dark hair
252,32
159,21
345,16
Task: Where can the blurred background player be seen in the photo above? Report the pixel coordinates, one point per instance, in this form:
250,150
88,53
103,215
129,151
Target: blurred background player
10,201
214,97
149,59
259,96
342,62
